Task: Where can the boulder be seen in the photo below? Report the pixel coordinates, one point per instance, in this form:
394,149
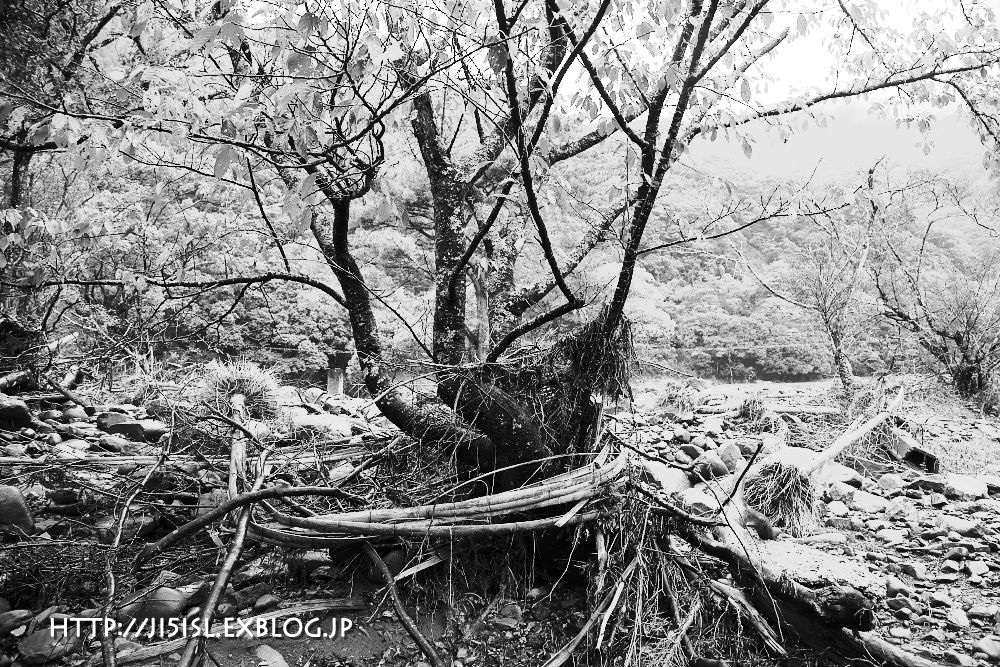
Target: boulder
965,487
863,501
14,515
957,524
14,414
891,481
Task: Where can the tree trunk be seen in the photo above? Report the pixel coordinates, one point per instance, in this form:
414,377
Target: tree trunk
845,371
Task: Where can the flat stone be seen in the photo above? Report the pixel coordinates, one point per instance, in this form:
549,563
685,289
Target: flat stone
692,450
900,632
14,515
891,481
964,527
891,536
956,658
965,487
74,413
983,611
863,501
933,483
149,430
106,420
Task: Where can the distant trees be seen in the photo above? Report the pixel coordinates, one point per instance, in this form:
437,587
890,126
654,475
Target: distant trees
497,99
949,301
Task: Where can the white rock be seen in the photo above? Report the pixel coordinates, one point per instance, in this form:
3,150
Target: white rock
965,487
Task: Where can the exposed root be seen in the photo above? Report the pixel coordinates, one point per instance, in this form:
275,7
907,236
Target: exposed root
787,497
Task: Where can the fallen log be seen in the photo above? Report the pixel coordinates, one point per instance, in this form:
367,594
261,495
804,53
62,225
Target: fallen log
779,409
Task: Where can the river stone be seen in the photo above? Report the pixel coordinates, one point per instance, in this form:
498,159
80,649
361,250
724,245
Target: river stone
709,466
957,617
163,602
14,413
14,515
74,413
863,501
976,568
960,525
891,481
106,420
732,457
989,646
45,646
965,487
149,430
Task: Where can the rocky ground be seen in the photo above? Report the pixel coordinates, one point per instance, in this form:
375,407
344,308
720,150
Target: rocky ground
924,547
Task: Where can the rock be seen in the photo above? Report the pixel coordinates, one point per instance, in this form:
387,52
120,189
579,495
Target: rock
894,587
900,632
149,430
45,645
940,599
840,491
977,568
983,611
14,414
933,483
106,420
915,569
709,466
837,508
14,515
74,413
536,593
210,500
692,450
863,501
891,481
11,620
732,457
956,658
962,526
891,536
901,508
334,425
4,606
989,646
957,618
901,602
266,602
965,487
956,553
163,602
937,500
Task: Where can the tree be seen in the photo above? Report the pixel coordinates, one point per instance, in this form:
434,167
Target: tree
497,99
947,298
827,274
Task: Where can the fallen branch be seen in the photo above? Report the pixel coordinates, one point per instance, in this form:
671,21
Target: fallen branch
397,601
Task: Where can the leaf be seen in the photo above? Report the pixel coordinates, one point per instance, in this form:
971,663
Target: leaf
269,657
223,161
801,24
745,90
747,148
497,56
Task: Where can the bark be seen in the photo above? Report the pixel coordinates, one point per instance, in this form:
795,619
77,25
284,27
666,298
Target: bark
845,371
17,194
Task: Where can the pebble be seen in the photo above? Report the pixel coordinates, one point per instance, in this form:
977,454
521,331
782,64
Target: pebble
940,599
